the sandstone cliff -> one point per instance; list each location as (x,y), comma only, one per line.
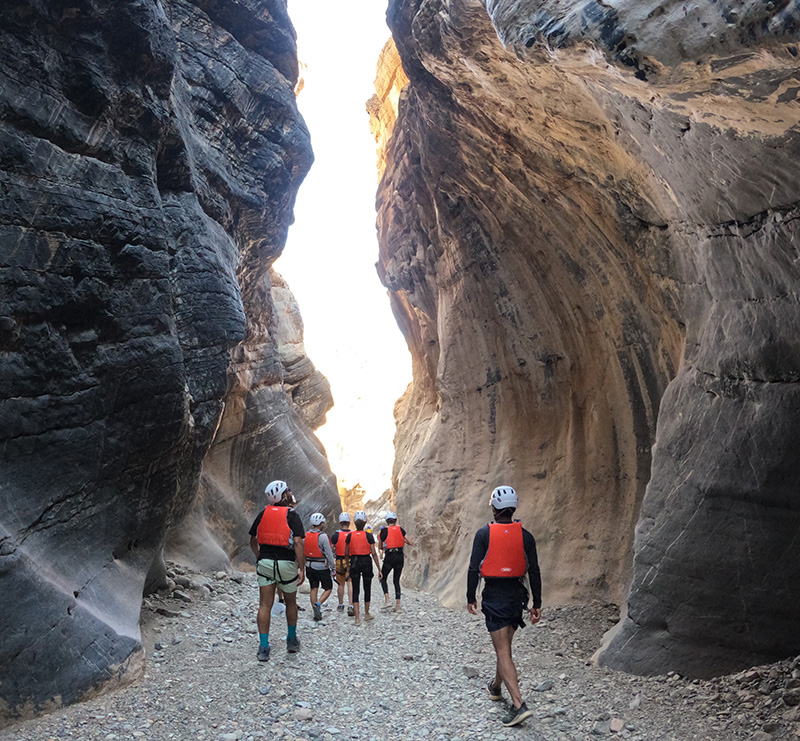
(149,157)
(589,235)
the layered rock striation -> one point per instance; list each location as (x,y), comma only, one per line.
(149,157)
(589,236)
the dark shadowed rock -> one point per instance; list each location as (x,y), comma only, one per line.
(149,157)
(606,206)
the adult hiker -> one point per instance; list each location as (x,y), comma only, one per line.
(276,539)
(502,553)
(319,563)
(360,549)
(343,564)
(391,541)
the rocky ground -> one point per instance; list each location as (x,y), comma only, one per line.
(413,675)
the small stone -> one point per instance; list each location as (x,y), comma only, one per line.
(602,728)
(166,612)
(761,736)
(158,647)
(792,697)
(408,657)
(637,700)
(303,714)
(237,576)
(471,672)
(617,724)
(182,596)
(544,686)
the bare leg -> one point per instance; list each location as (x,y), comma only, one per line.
(325,595)
(356,613)
(506,671)
(266,596)
(314,596)
(291,607)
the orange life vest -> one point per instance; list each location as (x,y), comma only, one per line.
(341,542)
(313,551)
(274,527)
(505,556)
(394,537)
(359,545)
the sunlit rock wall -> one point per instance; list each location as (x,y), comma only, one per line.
(149,157)
(587,233)
(275,399)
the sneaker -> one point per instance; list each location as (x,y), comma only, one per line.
(350,611)
(517,715)
(397,608)
(495,691)
(387,606)
(293,645)
(369,616)
(340,608)
(263,653)
(317,612)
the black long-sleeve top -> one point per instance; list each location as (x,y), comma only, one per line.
(480,547)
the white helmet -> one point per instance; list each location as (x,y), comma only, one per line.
(275,491)
(317,519)
(344,517)
(504,497)
(360,516)
(390,516)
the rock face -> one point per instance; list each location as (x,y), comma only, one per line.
(590,239)
(149,157)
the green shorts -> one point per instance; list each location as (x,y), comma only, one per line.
(281,573)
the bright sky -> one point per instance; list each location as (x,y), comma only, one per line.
(329,260)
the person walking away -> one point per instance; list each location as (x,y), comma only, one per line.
(361,550)
(319,563)
(276,539)
(502,553)
(343,564)
(391,541)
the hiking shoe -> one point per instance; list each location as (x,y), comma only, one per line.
(317,612)
(293,645)
(369,616)
(495,691)
(340,608)
(263,653)
(387,606)
(517,715)
(350,611)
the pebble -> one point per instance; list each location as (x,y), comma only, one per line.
(402,676)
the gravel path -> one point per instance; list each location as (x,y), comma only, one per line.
(414,675)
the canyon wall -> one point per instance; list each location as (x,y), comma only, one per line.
(150,153)
(588,228)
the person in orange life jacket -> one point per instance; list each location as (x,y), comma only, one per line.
(502,553)
(391,540)
(276,539)
(359,547)
(343,564)
(319,563)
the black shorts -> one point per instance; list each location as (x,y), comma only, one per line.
(503,603)
(319,576)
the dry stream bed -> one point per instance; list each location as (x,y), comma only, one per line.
(419,674)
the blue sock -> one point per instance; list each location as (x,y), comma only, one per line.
(292,631)
(264,638)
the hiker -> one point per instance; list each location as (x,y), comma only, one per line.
(502,553)
(360,549)
(391,541)
(276,539)
(319,563)
(343,564)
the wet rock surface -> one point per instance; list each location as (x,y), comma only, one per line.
(419,674)
(589,236)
